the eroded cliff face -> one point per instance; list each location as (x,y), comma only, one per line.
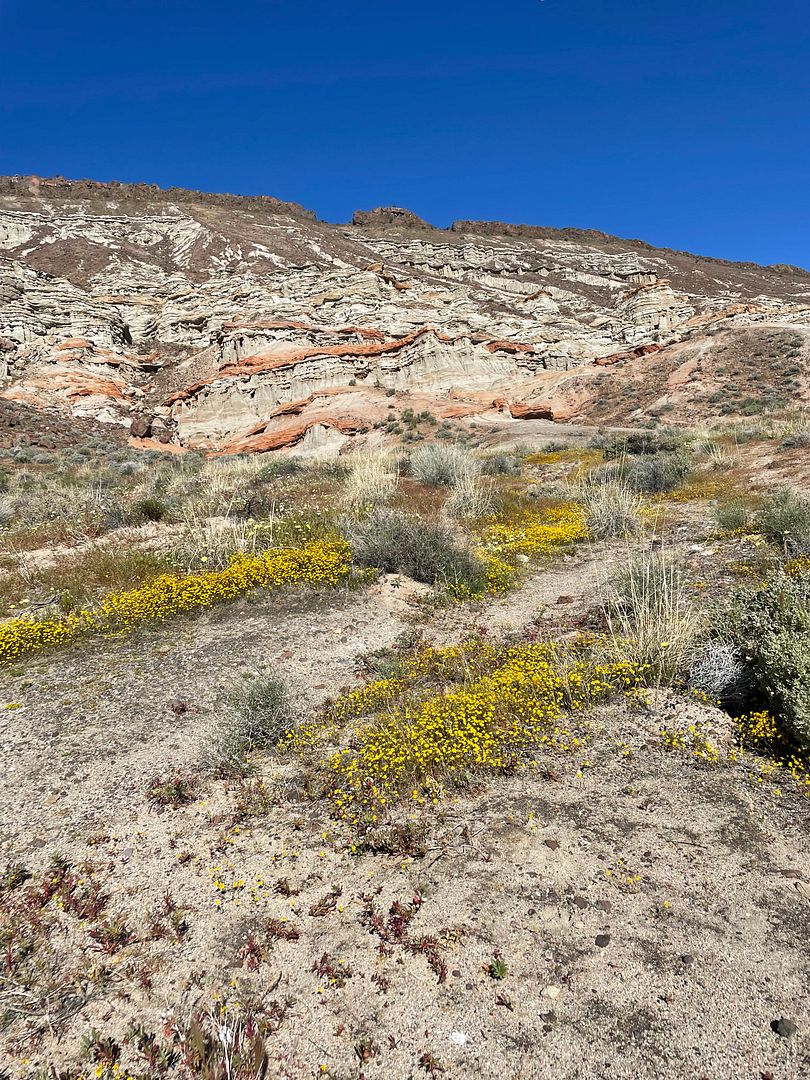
(222,322)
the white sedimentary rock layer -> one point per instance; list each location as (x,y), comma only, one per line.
(196,302)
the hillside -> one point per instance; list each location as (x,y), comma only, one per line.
(244,324)
(404,648)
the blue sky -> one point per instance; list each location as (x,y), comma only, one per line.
(686,124)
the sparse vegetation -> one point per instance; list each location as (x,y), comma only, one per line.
(311,838)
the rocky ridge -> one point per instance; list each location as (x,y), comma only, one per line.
(245,324)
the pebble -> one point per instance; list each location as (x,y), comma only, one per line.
(602,940)
(552,992)
(785,1028)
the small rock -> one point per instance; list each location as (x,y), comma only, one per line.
(140,426)
(456,973)
(785,1028)
(552,992)
(458,1037)
(604,905)
(580,902)
(565,599)
(687,959)
(602,940)
(553,845)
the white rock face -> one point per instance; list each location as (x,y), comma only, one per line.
(219,312)
(35,306)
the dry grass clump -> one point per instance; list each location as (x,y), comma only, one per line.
(611,508)
(442,464)
(372,480)
(718,670)
(211,543)
(651,617)
(470,498)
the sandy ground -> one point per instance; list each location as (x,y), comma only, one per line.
(679,972)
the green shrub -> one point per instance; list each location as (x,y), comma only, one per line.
(651,475)
(426,551)
(785,519)
(278,466)
(501,463)
(149,508)
(732,516)
(770,626)
(641,442)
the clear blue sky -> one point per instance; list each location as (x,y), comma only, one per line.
(683,123)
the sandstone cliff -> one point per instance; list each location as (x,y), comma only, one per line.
(228,322)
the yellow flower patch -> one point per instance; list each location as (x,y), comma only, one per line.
(538,533)
(757,732)
(416,750)
(323,562)
(799,565)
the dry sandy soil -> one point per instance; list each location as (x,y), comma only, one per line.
(652,911)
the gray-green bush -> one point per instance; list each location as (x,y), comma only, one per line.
(785,519)
(257,714)
(732,516)
(427,551)
(770,626)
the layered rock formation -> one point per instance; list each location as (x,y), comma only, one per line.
(230,323)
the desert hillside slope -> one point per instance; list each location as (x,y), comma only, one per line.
(404,648)
(244,323)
